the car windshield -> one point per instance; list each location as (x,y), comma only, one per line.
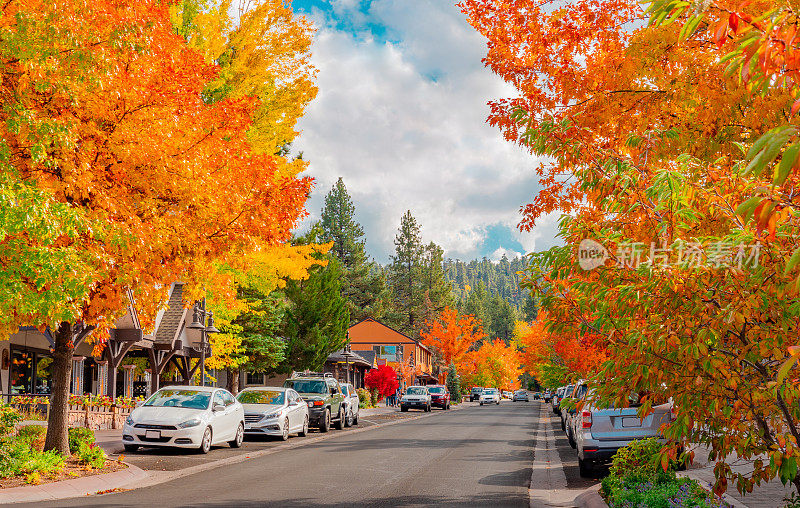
(190,399)
(436,389)
(477,389)
(416,391)
(490,391)
(306,385)
(261,397)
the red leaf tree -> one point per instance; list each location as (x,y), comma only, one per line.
(383,379)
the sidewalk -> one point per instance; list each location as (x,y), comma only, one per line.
(766,495)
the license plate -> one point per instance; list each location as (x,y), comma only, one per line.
(631,422)
(152,434)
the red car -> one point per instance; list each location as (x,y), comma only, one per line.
(440,397)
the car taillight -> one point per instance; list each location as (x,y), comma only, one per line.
(586,419)
(673,415)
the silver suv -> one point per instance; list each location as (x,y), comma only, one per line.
(599,433)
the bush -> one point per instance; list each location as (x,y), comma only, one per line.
(79,436)
(33,435)
(364,398)
(637,479)
(373,397)
(18,458)
(91,455)
(8,419)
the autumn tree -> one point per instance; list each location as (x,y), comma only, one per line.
(107,114)
(672,143)
(452,335)
(363,285)
(383,380)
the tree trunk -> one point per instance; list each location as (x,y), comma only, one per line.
(56,438)
(232,382)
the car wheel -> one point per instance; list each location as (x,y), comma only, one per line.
(571,439)
(403,409)
(285,434)
(563,427)
(304,432)
(130,447)
(355,419)
(205,443)
(339,425)
(348,421)
(237,441)
(481,403)
(325,421)
(584,468)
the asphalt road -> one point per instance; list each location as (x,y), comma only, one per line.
(476,456)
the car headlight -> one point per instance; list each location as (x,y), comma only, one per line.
(129,420)
(272,415)
(194,422)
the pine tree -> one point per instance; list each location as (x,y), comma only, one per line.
(530,309)
(363,284)
(404,274)
(316,318)
(453,383)
(437,290)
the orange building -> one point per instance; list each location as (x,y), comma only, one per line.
(393,348)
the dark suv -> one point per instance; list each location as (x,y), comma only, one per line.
(440,397)
(475,394)
(324,397)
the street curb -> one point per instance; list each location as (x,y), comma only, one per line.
(77,487)
(152,478)
(590,498)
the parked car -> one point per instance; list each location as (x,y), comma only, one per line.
(520,395)
(557,399)
(416,397)
(185,417)
(273,411)
(548,395)
(475,394)
(490,395)
(440,397)
(569,415)
(600,432)
(323,397)
(564,395)
(507,394)
(352,404)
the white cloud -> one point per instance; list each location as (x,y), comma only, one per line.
(404,123)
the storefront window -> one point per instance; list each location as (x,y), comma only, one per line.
(31,372)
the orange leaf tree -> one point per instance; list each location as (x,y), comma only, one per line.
(673,144)
(452,335)
(104,110)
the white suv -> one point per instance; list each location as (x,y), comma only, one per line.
(490,395)
(351,401)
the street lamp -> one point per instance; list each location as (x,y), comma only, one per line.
(347,352)
(197,323)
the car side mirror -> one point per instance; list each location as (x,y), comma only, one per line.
(218,407)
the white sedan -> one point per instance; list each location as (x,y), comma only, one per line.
(185,417)
(274,411)
(489,396)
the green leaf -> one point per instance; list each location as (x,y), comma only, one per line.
(787,163)
(785,368)
(747,207)
(792,261)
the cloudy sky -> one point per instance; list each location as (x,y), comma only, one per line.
(401,117)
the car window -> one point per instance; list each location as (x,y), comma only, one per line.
(345,389)
(306,385)
(261,397)
(218,398)
(227,397)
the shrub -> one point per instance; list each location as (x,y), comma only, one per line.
(78,436)
(364,398)
(91,455)
(373,397)
(33,435)
(8,419)
(18,458)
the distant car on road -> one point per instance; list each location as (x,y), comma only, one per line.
(273,411)
(351,404)
(490,395)
(599,433)
(416,397)
(521,395)
(475,394)
(440,397)
(507,394)
(547,396)
(185,417)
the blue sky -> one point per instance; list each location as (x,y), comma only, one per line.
(401,117)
